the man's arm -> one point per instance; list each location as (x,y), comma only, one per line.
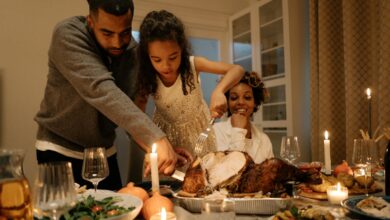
(74,55)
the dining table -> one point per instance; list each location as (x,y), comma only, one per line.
(338,211)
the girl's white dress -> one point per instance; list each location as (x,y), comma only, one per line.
(183,117)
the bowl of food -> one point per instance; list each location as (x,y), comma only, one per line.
(104,204)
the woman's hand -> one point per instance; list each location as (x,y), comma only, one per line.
(218,104)
(239,121)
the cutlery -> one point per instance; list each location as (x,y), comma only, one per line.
(178,175)
(199,144)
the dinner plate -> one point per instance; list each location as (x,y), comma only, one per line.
(350,204)
(260,206)
(127,201)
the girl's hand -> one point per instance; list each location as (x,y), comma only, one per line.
(183,157)
(218,104)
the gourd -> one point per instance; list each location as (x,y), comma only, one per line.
(342,168)
(135,191)
(154,205)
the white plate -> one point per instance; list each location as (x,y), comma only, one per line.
(262,206)
(127,201)
(351,203)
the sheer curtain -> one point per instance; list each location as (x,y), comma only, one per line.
(349,52)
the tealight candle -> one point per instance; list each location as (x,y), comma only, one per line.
(154,169)
(328,162)
(337,193)
(163,215)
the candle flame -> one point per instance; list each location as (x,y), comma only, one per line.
(326,135)
(338,186)
(163,214)
(368,92)
(154,148)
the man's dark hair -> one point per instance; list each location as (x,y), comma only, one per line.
(114,7)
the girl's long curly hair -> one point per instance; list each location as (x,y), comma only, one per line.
(162,26)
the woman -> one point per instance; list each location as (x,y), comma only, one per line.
(237,132)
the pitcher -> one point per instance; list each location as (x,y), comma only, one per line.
(15,198)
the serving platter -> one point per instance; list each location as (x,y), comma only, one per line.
(260,206)
(350,204)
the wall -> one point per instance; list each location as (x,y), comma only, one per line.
(24,40)
(300,80)
(26,27)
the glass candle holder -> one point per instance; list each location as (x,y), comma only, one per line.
(337,193)
(163,215)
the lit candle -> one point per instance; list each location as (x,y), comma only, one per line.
(154,169)
(337,193)
(368,92)
(328,162)
(163,215)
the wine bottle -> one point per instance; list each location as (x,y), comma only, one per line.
(387,169)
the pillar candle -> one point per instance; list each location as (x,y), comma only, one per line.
(368,92)
(328,163)
(154,169)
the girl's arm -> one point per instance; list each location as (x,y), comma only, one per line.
(232,75)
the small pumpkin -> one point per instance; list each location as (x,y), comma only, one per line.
(342,168)
(154,205)
(135,191)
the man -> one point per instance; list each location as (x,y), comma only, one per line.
(90,82)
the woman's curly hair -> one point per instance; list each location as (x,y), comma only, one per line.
(259,92)
(162,26)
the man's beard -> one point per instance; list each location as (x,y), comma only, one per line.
(115,52)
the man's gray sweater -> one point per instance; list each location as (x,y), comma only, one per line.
(88,95)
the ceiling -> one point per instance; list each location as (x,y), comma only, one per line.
(227,7)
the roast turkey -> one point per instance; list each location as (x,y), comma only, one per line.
(236,172)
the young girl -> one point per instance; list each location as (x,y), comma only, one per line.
(237,132)
(171,76)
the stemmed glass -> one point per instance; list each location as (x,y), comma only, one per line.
(364,155)
(289,149)
(54,191)
(95,165)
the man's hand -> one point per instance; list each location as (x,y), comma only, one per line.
(167,158)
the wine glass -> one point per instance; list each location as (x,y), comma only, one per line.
(363,156)
(54,191)
(289,149)
(95,165)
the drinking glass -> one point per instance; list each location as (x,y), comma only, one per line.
(289,149)
(218,209)
(54,191)
(364,155)
(95,165)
